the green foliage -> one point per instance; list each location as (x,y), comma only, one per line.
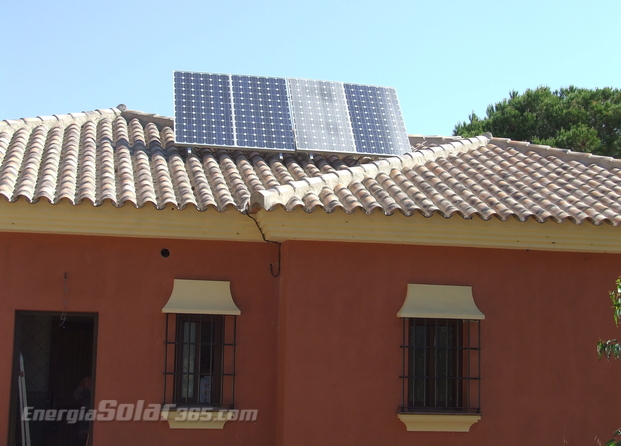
(616,440)
(571,118)
(612,348)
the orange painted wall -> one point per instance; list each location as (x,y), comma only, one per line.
(318,348)
(542,383)
(127,282)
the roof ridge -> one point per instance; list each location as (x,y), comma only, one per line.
(144,118)
(563,154)
(55,120)
(268,198)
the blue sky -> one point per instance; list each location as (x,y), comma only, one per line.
(446,58)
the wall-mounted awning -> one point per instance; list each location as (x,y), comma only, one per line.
(201,297)
(440,302)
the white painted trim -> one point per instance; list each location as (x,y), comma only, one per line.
(201,297)
(126,221)
(181,422)
(280,225)
(438,423)
(440,302)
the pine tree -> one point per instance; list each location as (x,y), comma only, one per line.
(571,118)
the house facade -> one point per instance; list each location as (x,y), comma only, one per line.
(454,294)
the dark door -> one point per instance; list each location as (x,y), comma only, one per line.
(58,356)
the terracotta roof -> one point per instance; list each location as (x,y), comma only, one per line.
(127,156)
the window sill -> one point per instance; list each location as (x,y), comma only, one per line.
(438,422)
(185,419)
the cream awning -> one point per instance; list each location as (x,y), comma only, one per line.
(201,297)
(440,302)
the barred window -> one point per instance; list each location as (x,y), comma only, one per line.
(441,365)
(200,360)
(199,357)
(441,350)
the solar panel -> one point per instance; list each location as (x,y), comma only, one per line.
(376,120)
(262,118)
(270,113)
(203,113)
(320,116)
(219,110)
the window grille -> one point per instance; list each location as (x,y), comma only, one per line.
(199,360)
(441,365)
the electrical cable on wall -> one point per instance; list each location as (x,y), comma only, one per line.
(63,316)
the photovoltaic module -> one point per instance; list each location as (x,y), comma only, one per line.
(287,114)
(320,116)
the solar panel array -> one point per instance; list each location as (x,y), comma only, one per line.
(269,113)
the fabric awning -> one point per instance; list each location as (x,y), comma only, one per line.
(440,302)
(201,297)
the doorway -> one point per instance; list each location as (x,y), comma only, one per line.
(53,373)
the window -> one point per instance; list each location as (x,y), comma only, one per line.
(441,365)
(441,375)
(200,342)
(200,360)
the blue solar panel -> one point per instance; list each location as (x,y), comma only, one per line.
(320,116)
(262,118)
(203,113)
(269,113)
(376,120)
